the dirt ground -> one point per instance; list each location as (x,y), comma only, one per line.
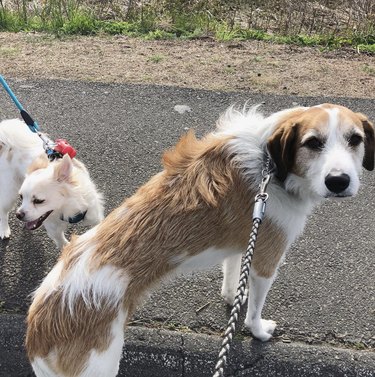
(205,64)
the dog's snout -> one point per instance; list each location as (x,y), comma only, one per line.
(20,215)
(337,182)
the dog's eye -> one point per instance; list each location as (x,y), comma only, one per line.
(355,140)
(21,197)
(38,201)
(314,144)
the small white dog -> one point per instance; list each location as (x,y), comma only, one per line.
(196,213)
(53,193)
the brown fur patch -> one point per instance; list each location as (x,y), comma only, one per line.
(199,201)
(41,162)
(71,336)
(368,128)
(269,249)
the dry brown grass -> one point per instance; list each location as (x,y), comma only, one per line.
(249,66)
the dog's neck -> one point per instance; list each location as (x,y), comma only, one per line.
(76,218)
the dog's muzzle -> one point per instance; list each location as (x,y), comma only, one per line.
(337,182)
(34,224)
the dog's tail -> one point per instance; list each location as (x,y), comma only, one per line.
(14,133)
(239,118)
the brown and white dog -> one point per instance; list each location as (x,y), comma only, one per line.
(195,213)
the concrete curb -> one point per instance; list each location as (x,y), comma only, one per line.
(161,353)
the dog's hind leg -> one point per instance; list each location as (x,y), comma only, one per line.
(106,363)
(231,272)
(258,289)
(101,362)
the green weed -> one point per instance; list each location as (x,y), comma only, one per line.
(156,58)
(8,51)
(370,70)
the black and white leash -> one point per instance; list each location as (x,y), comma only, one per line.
(258,214)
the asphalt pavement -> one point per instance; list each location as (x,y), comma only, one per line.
(323,298)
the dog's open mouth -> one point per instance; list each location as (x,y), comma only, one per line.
(35,224)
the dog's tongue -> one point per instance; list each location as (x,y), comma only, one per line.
(35,224)
(32,225)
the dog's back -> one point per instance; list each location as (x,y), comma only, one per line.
(15,134)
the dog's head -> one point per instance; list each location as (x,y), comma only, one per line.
(44,190)
(325,146)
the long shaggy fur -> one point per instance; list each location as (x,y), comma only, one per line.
(195,213)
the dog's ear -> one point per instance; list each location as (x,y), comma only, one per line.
(41,162)
(368,127)
(63,169)
(282,146)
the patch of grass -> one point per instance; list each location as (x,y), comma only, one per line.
(369,49)
(258,59)
(359,346)
(159,34)
(156,58)
(10,21)
(370,70)
(8,51)
(224,33)
(119,27)
(80,22)
(319,23)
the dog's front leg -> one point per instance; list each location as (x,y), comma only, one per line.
(55,230)
(258,289)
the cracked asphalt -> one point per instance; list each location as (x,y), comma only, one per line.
(323,299)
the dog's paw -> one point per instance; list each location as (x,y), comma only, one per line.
(5,233)
(262,329)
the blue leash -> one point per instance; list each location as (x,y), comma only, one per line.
(34,127)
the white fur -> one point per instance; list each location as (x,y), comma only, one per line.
(205,259)
(97,287)
(19,147)
(42,369)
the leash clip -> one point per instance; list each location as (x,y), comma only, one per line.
(262,197)
(260,206)
(263,185)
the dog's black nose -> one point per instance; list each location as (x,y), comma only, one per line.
(337,182)
(20,215)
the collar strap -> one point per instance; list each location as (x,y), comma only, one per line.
(76,218)
(269,165)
